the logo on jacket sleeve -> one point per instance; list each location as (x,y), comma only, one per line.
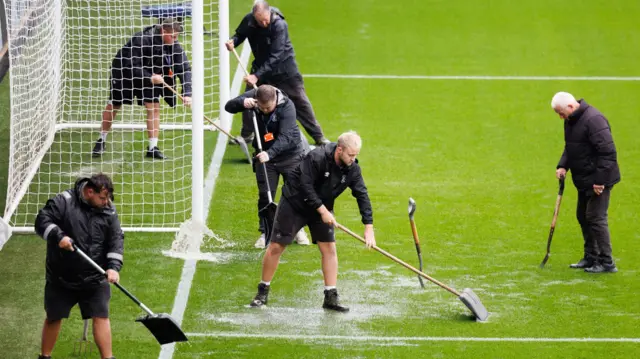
(326,174)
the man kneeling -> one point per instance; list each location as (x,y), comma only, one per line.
(307,199)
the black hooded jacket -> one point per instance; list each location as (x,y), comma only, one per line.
(96,231)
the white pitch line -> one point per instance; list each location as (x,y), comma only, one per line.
(411,339)
(189,268)
(471,78)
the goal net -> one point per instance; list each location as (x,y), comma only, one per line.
(61,55)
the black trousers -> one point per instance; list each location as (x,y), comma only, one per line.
(592,216)
(293,87)
(274,171)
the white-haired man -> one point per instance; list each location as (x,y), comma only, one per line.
(590,155)
(307,198)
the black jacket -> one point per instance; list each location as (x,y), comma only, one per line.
(96,232)
(589,151)
(146,54)
(272,50)
(319,180)
(281,123)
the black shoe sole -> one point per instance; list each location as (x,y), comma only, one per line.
(155,157)
(614,270)
(336,309)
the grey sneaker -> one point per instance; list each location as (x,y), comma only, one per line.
(331,301)
(262,297)
(602,268)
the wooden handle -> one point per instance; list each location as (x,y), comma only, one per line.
(414,230)
(241,65)
(205,117)
(399,261)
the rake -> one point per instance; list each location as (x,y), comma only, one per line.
(468,297)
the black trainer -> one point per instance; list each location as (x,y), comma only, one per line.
(99,148)
(262,297)
(331,301)
(155,153)
(602,268)
(44,357)
(584,263)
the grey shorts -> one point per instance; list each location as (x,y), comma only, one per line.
(93,302)
(289,221)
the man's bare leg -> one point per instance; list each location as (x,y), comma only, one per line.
(271,260)
(330,273)
(329,263)
(108,116)
(153,129)
(102,336)
(50,331)
(269,266)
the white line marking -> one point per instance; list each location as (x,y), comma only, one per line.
(480,78)
(410,339)
(189,268)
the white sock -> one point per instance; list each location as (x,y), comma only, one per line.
(153,142)
(103,136)
(265,283)
(329,287)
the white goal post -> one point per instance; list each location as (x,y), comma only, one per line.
(61,71)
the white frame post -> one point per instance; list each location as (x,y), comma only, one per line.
(224,67)
(197,112)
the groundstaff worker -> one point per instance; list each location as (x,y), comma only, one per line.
(83,216)
(590,155)
(307,199)
(282,146)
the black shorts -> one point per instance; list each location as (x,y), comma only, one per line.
(123,91)
(93,302)
(289,221)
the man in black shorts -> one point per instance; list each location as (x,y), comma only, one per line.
(307,198)
(83,216)
(151,57)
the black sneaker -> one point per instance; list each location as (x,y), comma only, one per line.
(262,297)
(322,141)
(584,263)
(602,268)
(155,153)
(331,301)
(44,357)
(99,148)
